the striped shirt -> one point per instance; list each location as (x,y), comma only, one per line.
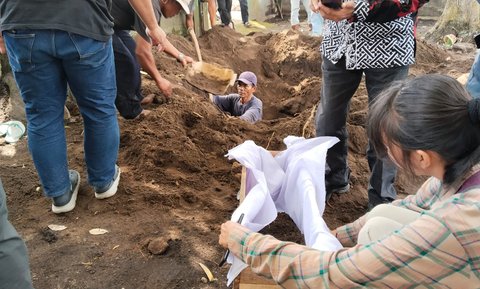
(441,249)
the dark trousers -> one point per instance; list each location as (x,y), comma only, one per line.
(225,8)
(244,10)
(339,85)
(128,76)
(14,268)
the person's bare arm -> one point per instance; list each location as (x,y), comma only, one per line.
(147,62)
(173,51)
(189,21)
(212,11)
(3,50)
(144,9)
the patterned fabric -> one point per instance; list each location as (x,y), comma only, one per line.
(441,249)
(380,35)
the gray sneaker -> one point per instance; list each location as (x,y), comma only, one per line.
(66,202)
(110,189)
(336,190)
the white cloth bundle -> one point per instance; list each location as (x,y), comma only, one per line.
(293,182)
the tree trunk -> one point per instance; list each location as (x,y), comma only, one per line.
(459,17)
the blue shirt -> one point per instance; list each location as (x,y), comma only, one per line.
(250,111)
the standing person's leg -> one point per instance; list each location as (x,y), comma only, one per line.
(212,11)
(14,267)
(42,82)
(229,10)
(90,70)
(224,11)
(244,11)
(317,24)
(473,82)
(380,187)
(127,71)
(294,11)
(384,220)
(306,5)
(338,87)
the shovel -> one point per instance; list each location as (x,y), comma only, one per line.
(208,76)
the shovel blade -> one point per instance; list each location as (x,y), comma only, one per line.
(210,77)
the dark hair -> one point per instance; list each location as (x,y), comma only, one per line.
(429,112)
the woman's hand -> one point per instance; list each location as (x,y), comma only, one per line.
(225,230)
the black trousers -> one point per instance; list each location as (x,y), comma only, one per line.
(338,87)
(127,70)
(225,8)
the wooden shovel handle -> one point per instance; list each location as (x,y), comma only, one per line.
(195,42)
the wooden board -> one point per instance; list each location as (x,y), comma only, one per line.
(249,280)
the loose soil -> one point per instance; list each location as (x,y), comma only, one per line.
(176,186)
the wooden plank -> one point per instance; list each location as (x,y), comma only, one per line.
(243,181)
(249,280)
(258,286)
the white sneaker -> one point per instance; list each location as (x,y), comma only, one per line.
(111,189)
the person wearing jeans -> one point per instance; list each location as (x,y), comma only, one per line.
(473,82)
(317,24)
(42,61)
(295,10)
(244,12)
(348,53)
(54,43)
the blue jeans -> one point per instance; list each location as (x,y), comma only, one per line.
(473,83)
(317,24)
(244,10)
(43,62)
(338,88)
(295,11)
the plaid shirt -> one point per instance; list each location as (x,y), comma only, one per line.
(441,249)
(379,35)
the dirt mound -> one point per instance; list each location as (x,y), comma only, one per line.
(287,65)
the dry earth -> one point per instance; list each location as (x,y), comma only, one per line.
(177,187)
